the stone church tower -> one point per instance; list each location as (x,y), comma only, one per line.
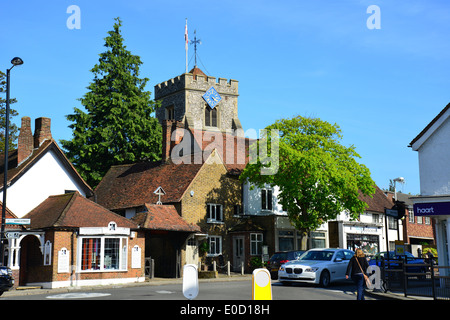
(195,100)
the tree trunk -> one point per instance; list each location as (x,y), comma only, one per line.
(304,240)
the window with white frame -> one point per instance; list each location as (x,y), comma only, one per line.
(215,245)
(214,213)
(393,223)
(103,253)
(256,242)
(266,199)
(410,216)
(427,220)
(375,218)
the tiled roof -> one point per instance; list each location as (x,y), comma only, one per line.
(163,217)
(73,210)
(9,215)
(378,202)
(133,185)
(16,170)
(197,72)
(234,150)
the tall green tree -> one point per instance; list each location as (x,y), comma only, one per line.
(13,130)
(118,126)
(317,176)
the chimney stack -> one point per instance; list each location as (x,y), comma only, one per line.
(25,142)
(168,127)
(41,131)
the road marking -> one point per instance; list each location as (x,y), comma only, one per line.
(80,295)
(164,292)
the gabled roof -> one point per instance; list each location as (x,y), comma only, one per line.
(127,186)
(377,202)
(16,170)
(234,150)
(8,213)
(72,210)
(430,128)
(163,217)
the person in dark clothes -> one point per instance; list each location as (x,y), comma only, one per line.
(355,272)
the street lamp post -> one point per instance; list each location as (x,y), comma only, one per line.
(401,180)
(15,62)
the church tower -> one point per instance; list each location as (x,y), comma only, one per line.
(195,100)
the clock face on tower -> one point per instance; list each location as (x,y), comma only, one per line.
(212,97)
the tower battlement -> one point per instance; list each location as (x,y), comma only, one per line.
(189,81)
(182,100)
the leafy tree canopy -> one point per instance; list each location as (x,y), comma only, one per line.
(317,176)
(118,126)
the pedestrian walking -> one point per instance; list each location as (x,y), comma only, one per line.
(356,268)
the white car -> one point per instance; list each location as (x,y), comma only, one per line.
(319,266)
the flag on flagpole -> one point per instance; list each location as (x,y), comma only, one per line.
(186,36)
(186,42)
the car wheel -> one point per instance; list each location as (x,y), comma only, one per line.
(325,279)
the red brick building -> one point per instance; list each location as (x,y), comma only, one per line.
(417,231)
(72,241)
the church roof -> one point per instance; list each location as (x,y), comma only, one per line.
(197,72)
(234,150)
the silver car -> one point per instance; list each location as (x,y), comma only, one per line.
(319,266)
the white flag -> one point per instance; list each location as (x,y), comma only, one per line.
(186,39)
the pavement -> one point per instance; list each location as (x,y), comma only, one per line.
(23,291)
(394,296)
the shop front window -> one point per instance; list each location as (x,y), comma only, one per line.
(286,240)
(103,254)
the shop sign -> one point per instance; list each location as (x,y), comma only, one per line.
(432,209)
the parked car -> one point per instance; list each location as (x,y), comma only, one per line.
(319,266)
(6,279)
(410,259)
(279,258)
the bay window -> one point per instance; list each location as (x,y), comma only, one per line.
(103,253)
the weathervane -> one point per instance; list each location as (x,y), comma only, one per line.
(194,42)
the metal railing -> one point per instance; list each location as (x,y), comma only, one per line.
(416,279)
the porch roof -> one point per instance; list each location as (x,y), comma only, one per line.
(73,210)
(163,217)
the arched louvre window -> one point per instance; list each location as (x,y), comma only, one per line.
(210,117)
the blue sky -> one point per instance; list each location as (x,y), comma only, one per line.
(310,58)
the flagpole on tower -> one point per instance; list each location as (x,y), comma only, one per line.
(186,42)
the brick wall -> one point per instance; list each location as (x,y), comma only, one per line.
(418,230)
(212,185)
(67,239)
